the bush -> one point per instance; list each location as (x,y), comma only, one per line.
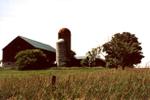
(84,62)
(31,59)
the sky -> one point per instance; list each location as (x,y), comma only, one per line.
(91,22)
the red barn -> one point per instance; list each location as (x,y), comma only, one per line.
(21,43)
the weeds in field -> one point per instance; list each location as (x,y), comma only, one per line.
(104,84)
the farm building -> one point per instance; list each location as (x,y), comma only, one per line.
(98,61)
(63,55)
(21,43)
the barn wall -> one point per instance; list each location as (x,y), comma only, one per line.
(51,56)
(10,51)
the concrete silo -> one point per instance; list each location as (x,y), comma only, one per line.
(61,53)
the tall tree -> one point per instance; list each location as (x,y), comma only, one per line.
(123,50)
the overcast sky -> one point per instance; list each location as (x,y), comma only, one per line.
(92,22)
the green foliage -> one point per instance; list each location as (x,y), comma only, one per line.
(84,62)
(92,55)
(123,50)
(80,83)
(31,59)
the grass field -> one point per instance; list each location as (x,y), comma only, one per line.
(75,83)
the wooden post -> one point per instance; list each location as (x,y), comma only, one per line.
(53,82)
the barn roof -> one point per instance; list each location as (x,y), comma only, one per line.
(84,57)
(80,57)
(37,44)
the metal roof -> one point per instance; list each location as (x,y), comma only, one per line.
(39,45)
(80,57)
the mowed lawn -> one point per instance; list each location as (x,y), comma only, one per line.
(75,83)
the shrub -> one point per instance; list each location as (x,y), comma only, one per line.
(31,59)
(84,62)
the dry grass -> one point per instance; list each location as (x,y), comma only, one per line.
(78,84)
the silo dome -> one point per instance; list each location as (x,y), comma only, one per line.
(64,33)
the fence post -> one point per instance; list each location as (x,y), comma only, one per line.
(53,82)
